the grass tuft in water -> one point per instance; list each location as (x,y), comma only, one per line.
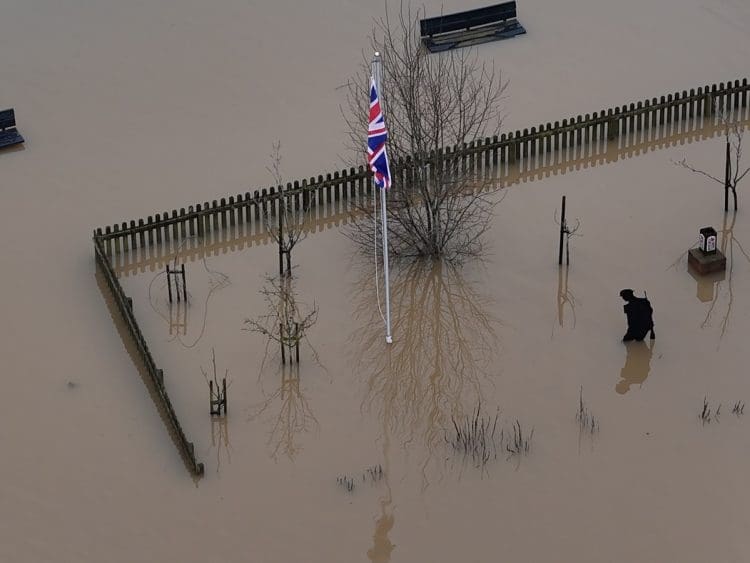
(586,420)
(519,442)
(475,437)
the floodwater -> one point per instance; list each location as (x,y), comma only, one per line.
(133,108)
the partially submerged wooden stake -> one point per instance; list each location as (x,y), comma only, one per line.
(181,273)
(286,344)
(218,398)
(562,233)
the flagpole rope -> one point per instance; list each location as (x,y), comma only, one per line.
(375,240)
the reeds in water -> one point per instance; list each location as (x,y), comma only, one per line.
(475,437)
(586,421)
(739,408)
(373,474)
(708,414)
(346,482)
(519,443)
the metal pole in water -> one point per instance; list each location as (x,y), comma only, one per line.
(376,74)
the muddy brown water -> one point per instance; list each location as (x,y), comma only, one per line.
(133,108)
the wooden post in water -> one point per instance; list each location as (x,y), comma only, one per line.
(180,272)
(218,399)
(727,178)
(169,284)
(224,393)
(184,286)
(562,233)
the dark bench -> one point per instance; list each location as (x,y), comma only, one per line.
(470,28)
(8,133)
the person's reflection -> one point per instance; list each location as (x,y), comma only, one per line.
(637,365)
(380,552)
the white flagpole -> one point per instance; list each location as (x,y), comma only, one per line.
(376,74)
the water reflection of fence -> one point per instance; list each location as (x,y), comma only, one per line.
(125,306)
(503,157)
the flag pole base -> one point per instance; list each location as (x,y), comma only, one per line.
(389,339)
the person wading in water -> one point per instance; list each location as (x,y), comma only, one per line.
(639,312)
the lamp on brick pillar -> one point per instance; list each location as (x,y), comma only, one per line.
(707,258)
(708,240)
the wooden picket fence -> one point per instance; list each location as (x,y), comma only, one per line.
(483,156)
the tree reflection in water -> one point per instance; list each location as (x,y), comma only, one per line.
(443,341)
(727,246)
(294,416)
(564,297)
(220,440)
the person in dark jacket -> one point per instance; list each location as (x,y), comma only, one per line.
(639,313)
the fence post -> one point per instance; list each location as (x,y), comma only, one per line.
(360,183)
(639,116)
(684,105)
(175,227)
(230,210)
(708,102)
(328,189)
(613,125)
(511,148)
(336,187)
(653,112)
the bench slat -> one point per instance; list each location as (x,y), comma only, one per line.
(10,137)
(7,118)
(467,19)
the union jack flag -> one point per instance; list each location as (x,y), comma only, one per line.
(377,135)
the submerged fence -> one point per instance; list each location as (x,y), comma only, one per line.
(244,235)
(125,306)
(538,150)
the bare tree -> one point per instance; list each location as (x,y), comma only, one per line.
(431,101)
(733,168)
(285,321)
(288,228)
